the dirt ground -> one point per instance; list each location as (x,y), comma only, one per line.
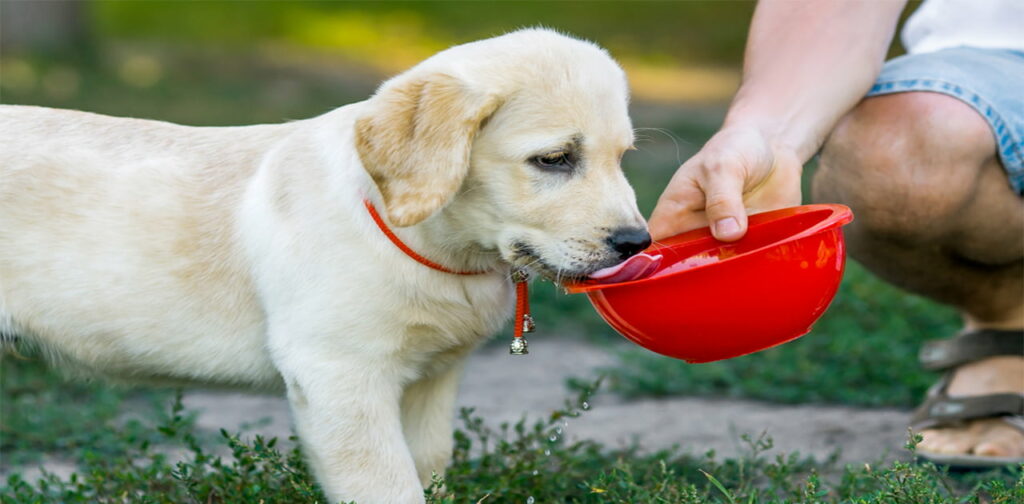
(503,387)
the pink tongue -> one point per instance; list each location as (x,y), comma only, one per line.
(634,268)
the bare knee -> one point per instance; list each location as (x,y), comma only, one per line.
(905,163)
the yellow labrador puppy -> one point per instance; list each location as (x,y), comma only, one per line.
(143,250)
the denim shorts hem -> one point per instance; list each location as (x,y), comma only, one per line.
(1003,111)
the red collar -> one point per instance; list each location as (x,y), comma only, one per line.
(523,320)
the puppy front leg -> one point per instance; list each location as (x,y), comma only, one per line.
(427,412)
(347,414)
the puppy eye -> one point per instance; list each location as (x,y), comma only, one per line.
(555,161)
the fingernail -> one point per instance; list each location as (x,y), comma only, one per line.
(727,227)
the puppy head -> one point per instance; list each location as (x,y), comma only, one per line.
(519,139)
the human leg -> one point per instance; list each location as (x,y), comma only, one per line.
(936,216)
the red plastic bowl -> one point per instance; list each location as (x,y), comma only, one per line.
(712,300)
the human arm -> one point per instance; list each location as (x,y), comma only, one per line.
(806,64)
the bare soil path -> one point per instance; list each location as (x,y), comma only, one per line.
(504,388)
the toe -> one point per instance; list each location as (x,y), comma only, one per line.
(992,449)
(949,441)
(1000,440)
(933,440)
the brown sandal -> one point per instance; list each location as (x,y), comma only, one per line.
(941,410)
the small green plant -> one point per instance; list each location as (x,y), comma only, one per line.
(521,462)
(256,471)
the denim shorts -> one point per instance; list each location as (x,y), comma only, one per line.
(989,80)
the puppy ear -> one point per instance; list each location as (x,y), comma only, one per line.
(415,142)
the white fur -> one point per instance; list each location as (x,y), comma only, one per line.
(243,256)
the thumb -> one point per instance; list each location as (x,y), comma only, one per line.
(680,207)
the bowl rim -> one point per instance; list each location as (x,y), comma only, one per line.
(839,216)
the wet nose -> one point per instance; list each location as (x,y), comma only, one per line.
(627,242)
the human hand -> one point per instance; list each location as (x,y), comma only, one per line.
(738,172)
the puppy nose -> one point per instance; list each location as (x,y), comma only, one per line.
(629,241)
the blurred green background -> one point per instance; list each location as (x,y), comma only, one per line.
(215,62)
(220,63)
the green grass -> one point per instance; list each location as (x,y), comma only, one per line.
(520,462)
(41,413)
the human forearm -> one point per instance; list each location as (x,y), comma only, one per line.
(807,63)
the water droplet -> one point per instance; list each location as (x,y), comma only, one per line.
(529,500)
(536,472)
(547,453)
(553,438)
(586,405)
(558,431)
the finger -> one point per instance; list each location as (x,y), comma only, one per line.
(671,217)
(679,209)
(723,201)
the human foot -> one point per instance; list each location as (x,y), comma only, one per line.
(990,437)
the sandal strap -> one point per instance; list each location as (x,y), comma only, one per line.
(940,409)
(970,347)
(1017,422)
